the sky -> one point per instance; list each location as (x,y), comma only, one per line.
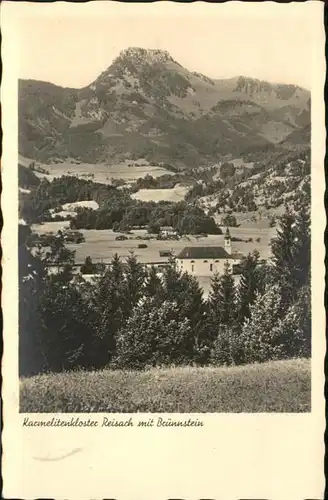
(268,41)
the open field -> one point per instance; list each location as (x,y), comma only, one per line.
(93,205)
(101,245)
(276,386)
(99,172)
(70,209)
(175,194)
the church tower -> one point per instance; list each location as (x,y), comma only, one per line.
(227,242)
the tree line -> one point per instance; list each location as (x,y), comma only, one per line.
(185,218)
(117,210)
(133,318)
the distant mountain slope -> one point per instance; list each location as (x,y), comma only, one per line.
(147,105)
(298,137)
(26,177)
(279,178)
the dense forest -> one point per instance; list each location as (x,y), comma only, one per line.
(133,318)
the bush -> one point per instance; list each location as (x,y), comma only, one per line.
(257,334)
(269,335)
(227,349)
(294,329)
(153,335)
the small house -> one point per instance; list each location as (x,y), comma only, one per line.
(168,231)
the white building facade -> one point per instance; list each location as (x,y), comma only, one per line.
(207,261)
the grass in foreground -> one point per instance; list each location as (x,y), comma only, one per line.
(277,386)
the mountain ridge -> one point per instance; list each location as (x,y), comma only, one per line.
(145,104)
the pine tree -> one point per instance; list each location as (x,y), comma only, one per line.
(283,258)
(171,281)
(134,283)
(109,307)
(62,258)
(185,291)
(292,254)
(192,306)
(214,300)
(296,326)
(248,285)
(222,298)
(153,286)
(66,331)
(302,247)
(32,282)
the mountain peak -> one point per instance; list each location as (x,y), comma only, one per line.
(150,56)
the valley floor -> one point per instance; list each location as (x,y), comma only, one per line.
(276,386)
(101,245)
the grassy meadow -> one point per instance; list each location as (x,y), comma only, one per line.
(101,244)
(128,171)
(175,194)
(275,386)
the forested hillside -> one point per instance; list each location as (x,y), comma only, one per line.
(146,105)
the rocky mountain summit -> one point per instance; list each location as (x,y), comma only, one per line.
(146,105)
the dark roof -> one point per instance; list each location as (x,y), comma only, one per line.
(203,253)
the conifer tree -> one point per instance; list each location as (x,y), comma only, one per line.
(153,286)
(185,291)
(222,298)
(32,282)
(291,251)
(109,307)
(66,331)
(62,258)
(192,306)
(302,247)
(283,258)
(214,299)
(171,280)
(134,283)
(248,285)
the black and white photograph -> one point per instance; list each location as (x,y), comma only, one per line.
(163,250)
(164,178)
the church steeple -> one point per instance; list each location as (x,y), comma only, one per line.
(227,242)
